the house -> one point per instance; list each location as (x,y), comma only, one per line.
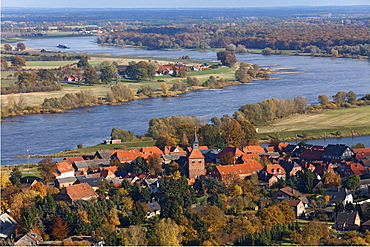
(150,150)
(364,185)
(354,169)
(234,151)
(195,165)
(90,165)
(297,206)
(126,155)
(30,238)
(337,152)
(154,209)
(93,182)
(290,166)
(210,155)
(70,78)
(64,182)
(255,149)
(103,154)
(272,173)
(286,193)
(313,153)
(362,153)
(7,227)
(76,192)
(174,150)
(226,172)
(70,160)
(64,169)
(289,150)
(115,141)
(347,221)
(365,226)
(338,194)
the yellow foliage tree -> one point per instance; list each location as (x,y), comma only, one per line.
(39,187)
(272,216)
(167,233)
(4,180)
(331,179)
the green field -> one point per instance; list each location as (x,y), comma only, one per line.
(322,124)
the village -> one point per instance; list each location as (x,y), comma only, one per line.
(323,197)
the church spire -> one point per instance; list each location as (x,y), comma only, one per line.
(195,142)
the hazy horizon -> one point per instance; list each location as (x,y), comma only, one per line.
(176,4)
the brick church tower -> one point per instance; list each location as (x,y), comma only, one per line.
(196,160)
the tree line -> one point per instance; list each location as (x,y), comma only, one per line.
(265,34)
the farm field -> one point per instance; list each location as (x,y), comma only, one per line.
(320,124)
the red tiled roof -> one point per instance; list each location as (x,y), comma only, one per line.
(270,149)
(127,156)
(253,165)
(253,149)
(313,154)
(109,168)
(173,150)
(70,160)
(80,191)
(357,168)
(275,169)
(196,154)
(290,191)
(64,166)
(240,169)
(151,150)
(292,203)
(282,145)
(250,156)
(233,150)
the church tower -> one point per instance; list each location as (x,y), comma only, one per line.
(196,161)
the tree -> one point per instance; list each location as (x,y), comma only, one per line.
(358,145)
(135,236)
(18,61)
(83,63)
(272,216)
(251,136)
(241,74)
(4,64)
(211,135)
(232,133)
(164,89)
(339,98)
(331,179)
(120,93)
(21,46)
(138,214)
(154,164)
(192,81)
(15,176)
(8,47)
(353,182)
(107,73)
(90,76)
(323,99)
(313,232)
(351,97)
(166,233)
(123,135)
(59,228)
(38,186)
(145,91)
(227,58)
(46,167)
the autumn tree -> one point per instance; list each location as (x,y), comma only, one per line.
(241,74)
(232,133)
(154,164)
(59,228)
(120,93)
(331,179)
(227,58)
(164,89)
(211,136)
(21,46)
(39,186)
(339,98)
(135,236)
(145,91)
(192,81)
(323,99)
(8,47)
(123,135)
(166,233)
(18,61)
(4,64)
(90,76)
(313,232)
(214,223)
(46,167)
(272,216)
(251,135)
(351,97)
(138,214)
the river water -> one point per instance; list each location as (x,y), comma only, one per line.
(51,133)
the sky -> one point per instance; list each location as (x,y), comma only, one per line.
(175,3)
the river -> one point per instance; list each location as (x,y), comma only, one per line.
(51,133)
